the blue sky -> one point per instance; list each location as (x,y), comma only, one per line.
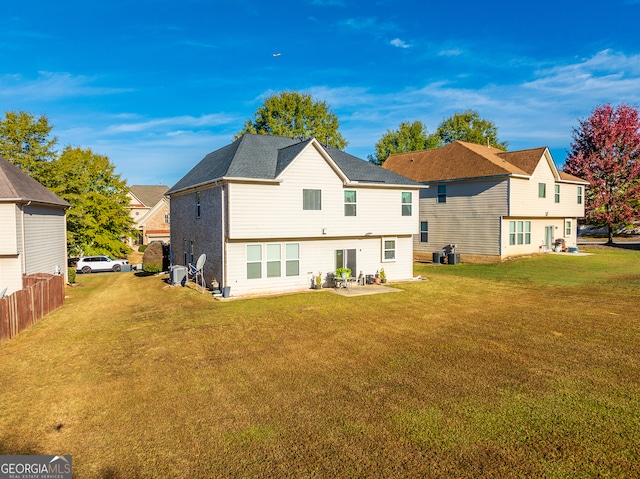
(156,85)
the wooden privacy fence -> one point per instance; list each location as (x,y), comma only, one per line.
(41,293)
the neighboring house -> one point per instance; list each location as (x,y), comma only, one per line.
(271,212)
(33,228)
(149,208)
(492,204)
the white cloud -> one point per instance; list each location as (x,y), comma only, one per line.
(172,123)
(52,86)
(396,42)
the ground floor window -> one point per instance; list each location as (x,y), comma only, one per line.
(268,257)
(388,249)
(424,232)
(519,232)
(568,227)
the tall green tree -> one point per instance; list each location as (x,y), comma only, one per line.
(470,127)
(408,137)
(606,152)
(98,219)
(25,142)
(290,113)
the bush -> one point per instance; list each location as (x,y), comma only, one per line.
(142,248)
(156,258)
(71,273)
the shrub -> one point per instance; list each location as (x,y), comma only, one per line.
(142,247)
(156,258)
(71,273)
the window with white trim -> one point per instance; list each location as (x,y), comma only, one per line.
(519,232)
(274,259)
(406,203)
(350,203)
(198,208)
(579,195)
(388,249)
(292,259)
(542,190)
(568,228)
(311,199)
(254,261)
(557,193)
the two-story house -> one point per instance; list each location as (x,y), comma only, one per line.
(272,212)
(149,209)
(33,228)
(490,203)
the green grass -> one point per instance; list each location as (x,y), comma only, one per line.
(528,368)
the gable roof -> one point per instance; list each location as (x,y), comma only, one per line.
(18,187)
(462,160)
(149,195)
(265,157)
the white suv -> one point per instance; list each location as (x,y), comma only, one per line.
(88,264)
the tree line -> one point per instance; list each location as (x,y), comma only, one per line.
(604,151)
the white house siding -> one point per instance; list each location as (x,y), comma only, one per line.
(10,269)
(538,235)
(316,256)
(470,218)
(205,232)
(8,229)
(44,239)
(524,199)
(275,211)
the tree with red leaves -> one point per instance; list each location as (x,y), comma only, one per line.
(606,152)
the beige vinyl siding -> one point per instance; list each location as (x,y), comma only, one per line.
(44,239)
(275,211)
(470,218)
(10,273)
(524,200)
(317,256)
(8,229)
(538,232)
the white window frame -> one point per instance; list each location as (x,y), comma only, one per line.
(579,195)
(273,260)
(557,193)
(542,190)
(519,232)
(290,259)
(309,200)
(568,227)
(198,205)
(253,261)
(389,253)
(407,207)
(350,207)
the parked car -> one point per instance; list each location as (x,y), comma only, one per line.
(89,264)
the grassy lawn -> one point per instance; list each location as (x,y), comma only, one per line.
(528,368)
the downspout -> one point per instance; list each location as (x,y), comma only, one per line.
(24,250)
(223,234)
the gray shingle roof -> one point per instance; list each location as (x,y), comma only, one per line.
(18,187)
(149,195)
(265,157)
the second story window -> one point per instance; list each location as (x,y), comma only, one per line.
(311,199)
(579,195)
(350,203)
(166,218)
(557,193)
(406,203)
(542,190)
(442,193)
(198,210)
